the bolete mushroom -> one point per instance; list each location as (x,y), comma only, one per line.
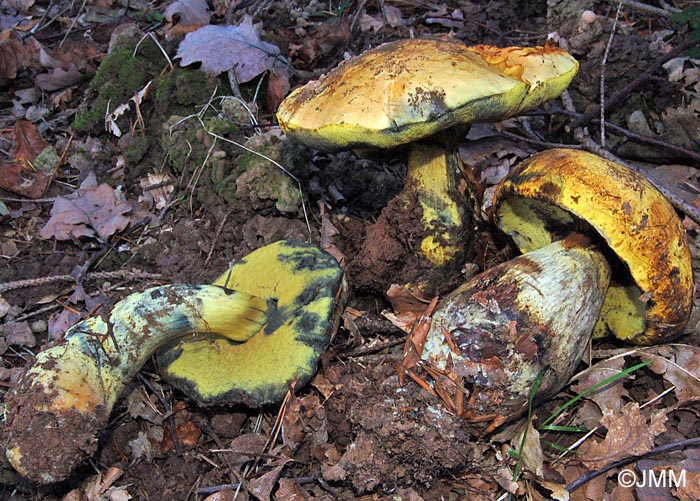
(562,190)
(491,337)
(60,405)
(406,91)
(579,219)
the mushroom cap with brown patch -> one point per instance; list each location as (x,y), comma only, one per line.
(562,190)
(406,90)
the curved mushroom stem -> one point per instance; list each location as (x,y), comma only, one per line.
(63,401)
(490,338)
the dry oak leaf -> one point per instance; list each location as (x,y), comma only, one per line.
(19,174)
(90,211)
(15,55)
(189,11)
(224,48)
(679,364)
(609,397)
(630,433)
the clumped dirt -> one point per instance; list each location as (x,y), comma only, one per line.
(398,436)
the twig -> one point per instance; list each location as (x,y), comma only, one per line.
(95,275)
(219,229)
(668,11)
(536,142)
(625,91)
(675,446)
(643,139)
(633,136)
(603,64)
(369,350)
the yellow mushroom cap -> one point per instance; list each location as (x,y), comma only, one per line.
(305,288)
(560,190)
(406,90)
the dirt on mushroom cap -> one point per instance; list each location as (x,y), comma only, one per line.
(405,90)
(548,195)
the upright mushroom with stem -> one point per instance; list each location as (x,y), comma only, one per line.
(581,220)
(260,327)
(413,91)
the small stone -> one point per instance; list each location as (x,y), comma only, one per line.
(4,307)
(39,326)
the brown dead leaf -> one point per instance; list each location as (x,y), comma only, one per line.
(61,322)
(15,55)
(91,211)
(328,231)
(277,87)
(608,397)
(293,424)
(629,433)
(248,446)
(531,453)
(679,364)
(407,306)
(593,490)
(261,487)
(189,12)
(620,493)
(19,175)
(289,490)
(58,78)
(27,142)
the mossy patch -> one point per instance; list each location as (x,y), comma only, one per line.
(121,75)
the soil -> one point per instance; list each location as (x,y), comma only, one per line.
(362,428)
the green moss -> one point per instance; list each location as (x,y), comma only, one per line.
(183,87)
(121,75)
(137,150)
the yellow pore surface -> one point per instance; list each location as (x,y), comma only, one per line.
(409,89)
(303,286)
(542,199)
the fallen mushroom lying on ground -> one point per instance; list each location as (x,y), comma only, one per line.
(580,220)
(277,310)
(413,91)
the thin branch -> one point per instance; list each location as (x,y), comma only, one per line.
(668,11)
(675,446)
(603,65)
(96,275)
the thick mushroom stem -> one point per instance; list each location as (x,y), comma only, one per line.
(63,401)
(491,337)
(432,175)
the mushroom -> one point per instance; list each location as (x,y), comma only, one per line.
(277,324)
(406,91)
(490,338)
(560,190)
(579,219)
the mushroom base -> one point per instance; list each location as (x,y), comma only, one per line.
(391,252)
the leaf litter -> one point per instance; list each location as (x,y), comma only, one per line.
(92,211)
(238,48)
